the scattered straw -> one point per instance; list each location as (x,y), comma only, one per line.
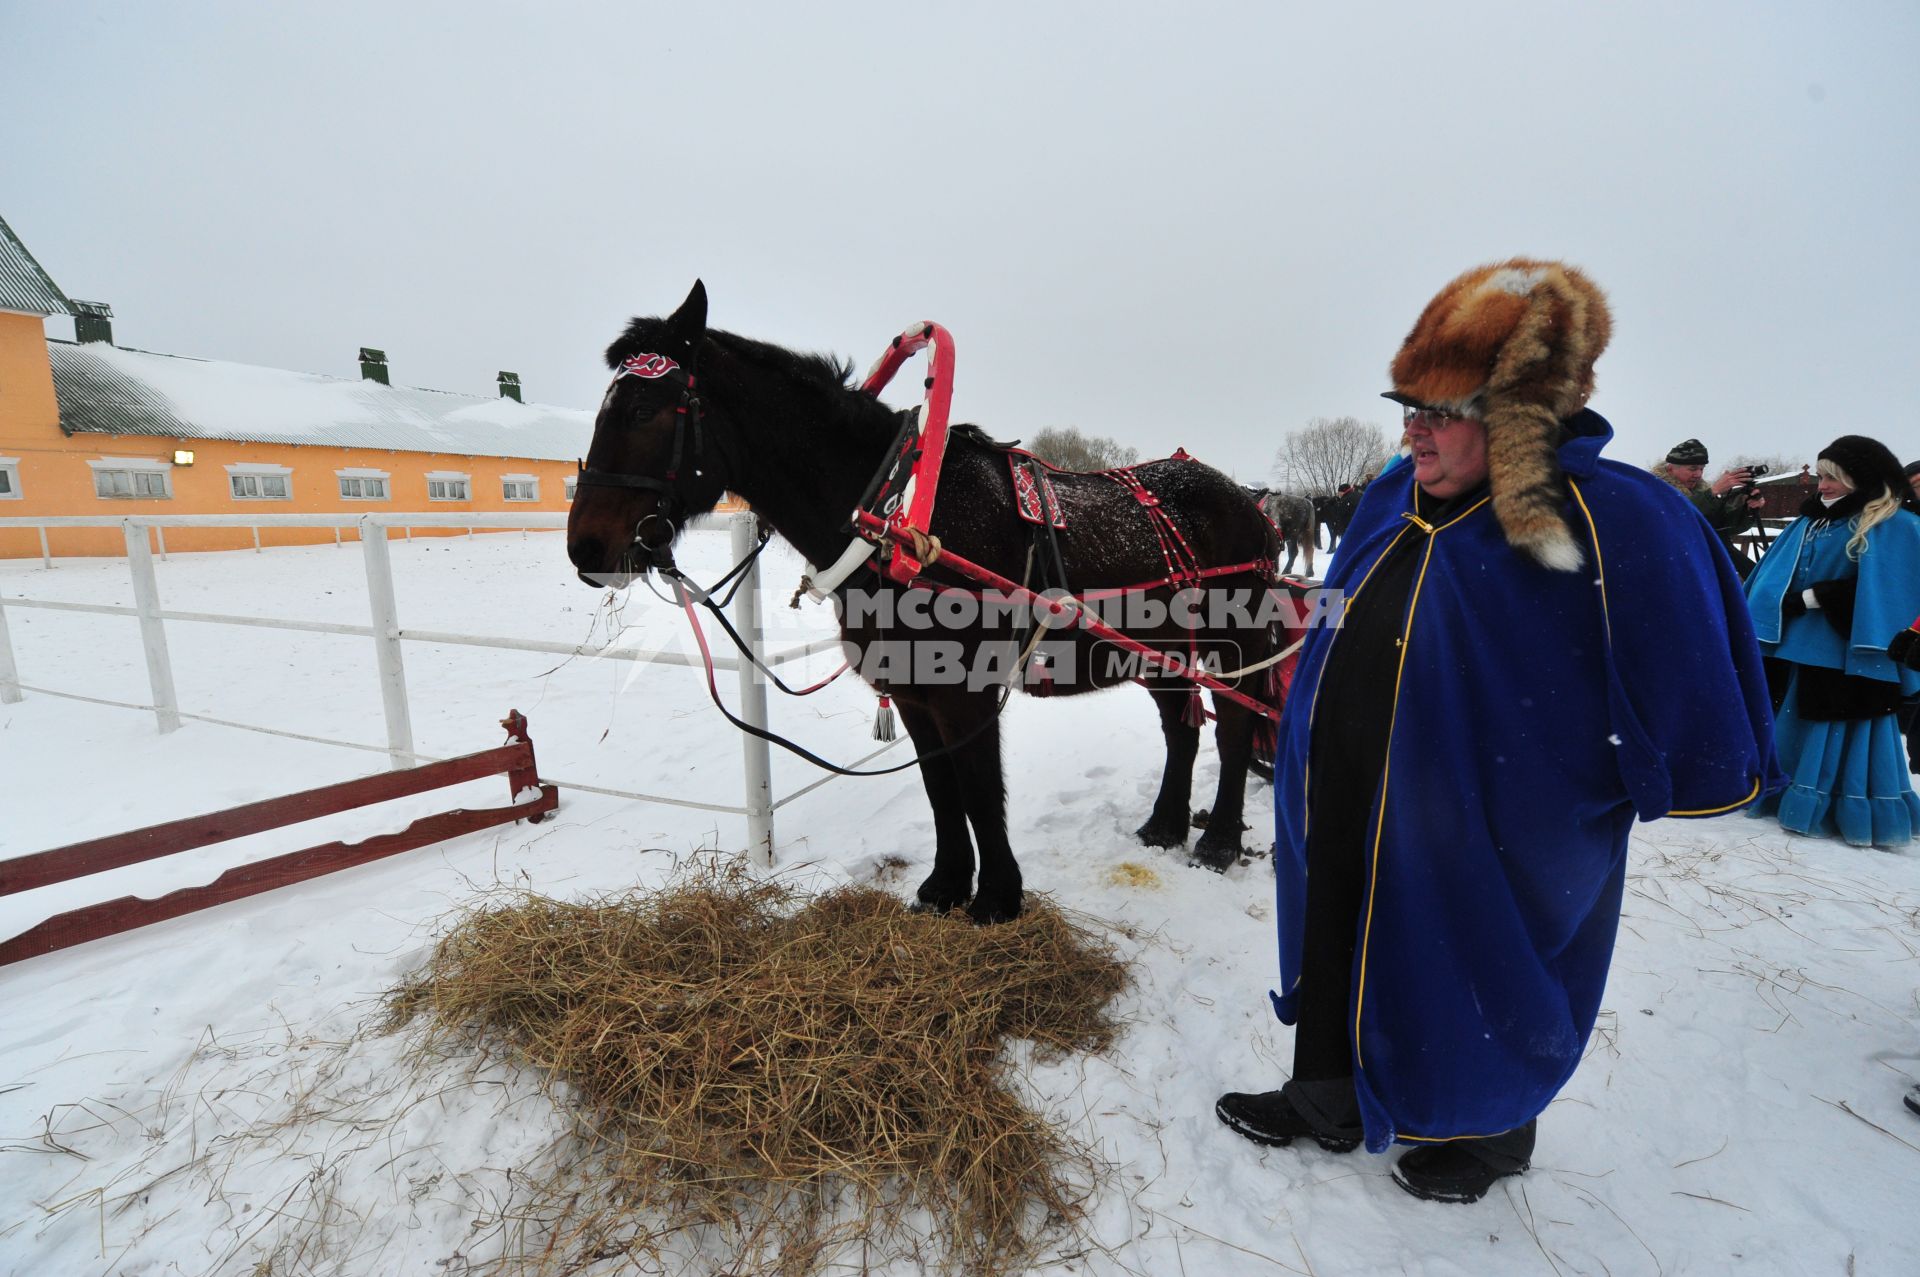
(787,1074)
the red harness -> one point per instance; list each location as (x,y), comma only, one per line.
(898,514)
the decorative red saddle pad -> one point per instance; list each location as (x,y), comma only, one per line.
(1026,495)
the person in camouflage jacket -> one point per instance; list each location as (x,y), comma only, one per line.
(1728,506)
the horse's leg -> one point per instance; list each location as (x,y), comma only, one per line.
(1219,845)
(950,884)
(983,787)
(1293,548)
(1167,826)
(1308,551)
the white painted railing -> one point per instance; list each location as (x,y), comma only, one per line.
(389,637)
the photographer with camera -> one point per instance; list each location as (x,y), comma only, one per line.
(1728,505)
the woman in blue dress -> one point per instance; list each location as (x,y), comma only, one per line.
(1833,590)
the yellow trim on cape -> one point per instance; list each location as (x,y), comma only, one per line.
(1593,532)
(1313,706)
(1402,1137)
(1386,766)
(1721,811)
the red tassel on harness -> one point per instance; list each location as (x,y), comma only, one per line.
(1039,676)
(883,719)
(1195,714)
(1266,737)
(1276,683)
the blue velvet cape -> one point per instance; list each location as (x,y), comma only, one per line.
(1536,714)
(1886,599)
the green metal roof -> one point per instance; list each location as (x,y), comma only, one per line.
(23,285)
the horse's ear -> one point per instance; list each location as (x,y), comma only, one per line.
(689,323)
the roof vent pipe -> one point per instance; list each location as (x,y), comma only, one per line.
(92,321)
(373,365)
(510,386)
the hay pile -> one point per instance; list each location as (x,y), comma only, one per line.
(787,1073)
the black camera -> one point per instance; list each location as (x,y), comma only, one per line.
(1754,472)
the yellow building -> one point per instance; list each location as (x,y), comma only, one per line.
(91,428)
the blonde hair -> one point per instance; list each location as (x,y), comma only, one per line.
(1877,511)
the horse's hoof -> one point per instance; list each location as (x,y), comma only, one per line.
(939,897)
(1217,850)
(1203,819)
(987,913)
(1163,833)
(1218,859)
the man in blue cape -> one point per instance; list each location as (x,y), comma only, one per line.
(1539,647)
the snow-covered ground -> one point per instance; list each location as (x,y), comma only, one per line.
(198,1096)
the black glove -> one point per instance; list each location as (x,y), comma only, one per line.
(1795,604)
(1905,649)
(1836,603)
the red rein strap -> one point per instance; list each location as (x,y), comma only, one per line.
(706,657)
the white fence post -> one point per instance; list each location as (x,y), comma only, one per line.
(46,552)
(386,643)
(9,673)
(753,697)
(153,631)
(160,537)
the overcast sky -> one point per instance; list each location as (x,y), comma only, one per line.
(1197,225)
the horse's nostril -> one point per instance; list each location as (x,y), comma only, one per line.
(588,553)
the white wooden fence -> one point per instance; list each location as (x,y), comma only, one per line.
(389,638)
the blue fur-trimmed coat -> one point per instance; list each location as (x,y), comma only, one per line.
(1536,715)
(1888,573)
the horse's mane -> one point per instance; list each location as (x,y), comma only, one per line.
(648,336)
(820,370)
(966,430)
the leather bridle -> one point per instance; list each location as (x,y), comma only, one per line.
(688,447)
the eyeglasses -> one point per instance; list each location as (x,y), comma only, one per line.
(1430,418)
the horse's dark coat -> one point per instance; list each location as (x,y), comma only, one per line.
(787,432)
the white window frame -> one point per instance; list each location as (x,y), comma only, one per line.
(259,470)
(569,486)
(10,468)
(448,477)
(532,481)
(131,466)
(360,477)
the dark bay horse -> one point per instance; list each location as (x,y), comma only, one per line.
(1335,512)
(789,433)
(1296,520)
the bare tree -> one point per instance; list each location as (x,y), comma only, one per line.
(1330,452)
(1066,447)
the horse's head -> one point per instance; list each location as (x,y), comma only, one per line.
(652,463)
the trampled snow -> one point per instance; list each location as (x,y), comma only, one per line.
(199,1096)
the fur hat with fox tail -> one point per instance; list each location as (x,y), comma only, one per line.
(1512,345)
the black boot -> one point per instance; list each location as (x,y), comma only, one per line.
(1912,1098)
(1463,1170)
(1270,1118)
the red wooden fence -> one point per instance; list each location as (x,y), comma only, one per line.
(111,917)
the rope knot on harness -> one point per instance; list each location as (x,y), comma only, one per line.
(926,546)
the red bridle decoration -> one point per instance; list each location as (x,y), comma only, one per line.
(649,367)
